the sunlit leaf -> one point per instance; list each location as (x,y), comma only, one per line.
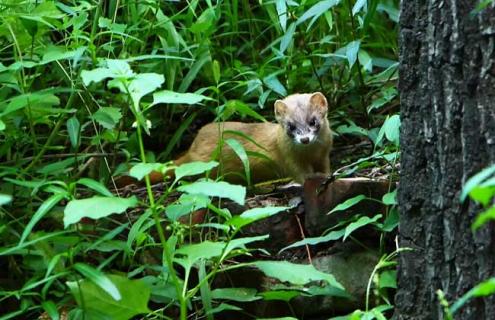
(96,207)
(193,168)
(216,189)
(167,96)
(298,274)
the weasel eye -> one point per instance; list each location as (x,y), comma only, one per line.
(291,126)
(312,122)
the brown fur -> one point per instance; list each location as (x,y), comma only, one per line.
(288,159)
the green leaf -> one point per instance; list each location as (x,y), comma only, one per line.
(348,203)
(5,198)
(108,117)
(119,68)
(30,99)
(351,52)
(96,207)
(193,169)
(391,221)
(281,6)
(2,125)
(392,129)
(483,289)
(361,222)
(284,295)
(255,214)
(194,252)
(167,96)
(287,37)
(243,109)
(187,203)
(365,60)
(390,198)
(388,279)
(317,10)
(98,278)
(484,217)
(51,309)
(334,235)
(205,21)
(95,185)
(235,294)
(223,307)
(240,243)
(144,83)
(273,83)
(482,194)
(215,66)
(96,75)
(57,167)
(74,130)
(241,153)
(45,207)
(54,53)
(476,180)
(216,189)
(299,274)
(358,6)
(106,23)
(98,304)
(140,170)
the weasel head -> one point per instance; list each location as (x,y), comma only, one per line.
(302,116)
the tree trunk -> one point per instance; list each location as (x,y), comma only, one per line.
(447,90)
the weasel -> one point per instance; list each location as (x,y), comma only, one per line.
(297,145)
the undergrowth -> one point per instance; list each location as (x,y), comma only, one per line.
(94,90)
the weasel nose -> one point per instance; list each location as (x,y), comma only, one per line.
(305,140)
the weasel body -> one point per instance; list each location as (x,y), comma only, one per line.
(298,145)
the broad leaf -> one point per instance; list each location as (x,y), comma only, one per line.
(299,274)
(96,207)
(140,170)
(98,304)
(167,96)
(216,189)
(235,294)
(193,169)
(107,117)
(255,214)
(348,203)
(96,186)
(361,222)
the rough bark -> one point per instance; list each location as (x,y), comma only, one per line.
(447,90)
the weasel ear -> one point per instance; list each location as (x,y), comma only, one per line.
(319,102)
(280,109)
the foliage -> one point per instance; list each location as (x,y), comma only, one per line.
(481,189)
(85,84)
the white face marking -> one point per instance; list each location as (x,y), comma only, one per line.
(300,118)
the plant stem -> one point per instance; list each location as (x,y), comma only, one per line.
(161,234)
